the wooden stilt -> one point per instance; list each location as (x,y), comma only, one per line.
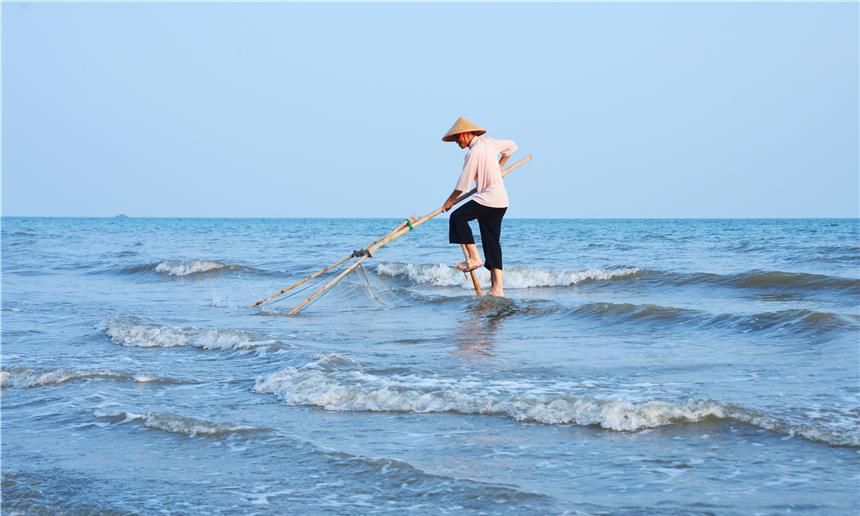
(404,228)
(472,273)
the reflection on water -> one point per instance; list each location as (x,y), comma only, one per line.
(476,334)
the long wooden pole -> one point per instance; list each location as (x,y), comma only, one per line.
(300,282)
(395,235)
(471,272)
(330,267)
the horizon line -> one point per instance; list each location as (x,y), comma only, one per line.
(816,217)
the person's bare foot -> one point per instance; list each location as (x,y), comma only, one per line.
(469,266)
(496,293)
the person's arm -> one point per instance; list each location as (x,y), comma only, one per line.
(451,200)
(466,177)
(506,148)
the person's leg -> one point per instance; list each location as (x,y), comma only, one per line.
(459,232)
(497,283)
(491,232)
(474,259)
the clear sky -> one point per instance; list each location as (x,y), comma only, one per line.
(337,110)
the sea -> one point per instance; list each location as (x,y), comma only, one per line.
(635,367)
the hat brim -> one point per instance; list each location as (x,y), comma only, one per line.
(453,137)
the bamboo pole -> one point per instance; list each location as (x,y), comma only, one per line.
(405,228)
(330,267)
(300,282)
(471,272)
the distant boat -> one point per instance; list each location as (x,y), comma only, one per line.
(121,216)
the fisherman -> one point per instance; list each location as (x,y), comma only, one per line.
(483,165)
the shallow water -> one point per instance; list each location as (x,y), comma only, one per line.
(637,366)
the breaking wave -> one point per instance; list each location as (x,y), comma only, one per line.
(441,275)
(133,332)
(26,378)
(193,268)
(551,404)
(515,277)
(173,423)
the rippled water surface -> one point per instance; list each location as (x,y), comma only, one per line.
(636,367)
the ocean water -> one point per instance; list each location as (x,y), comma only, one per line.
(636,367)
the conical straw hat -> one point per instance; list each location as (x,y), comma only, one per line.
(461,126)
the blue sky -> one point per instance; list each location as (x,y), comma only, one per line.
(337,110)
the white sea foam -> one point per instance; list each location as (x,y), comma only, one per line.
(221,302)
(515,277)
(354,390)
(552,403)
(526,277)
(838,428)
(132,332)
(26,378)
(186,268)
(177,424)
(332,361)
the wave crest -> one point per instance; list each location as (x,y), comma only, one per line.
(361,391)
(174,423)
(441,275)
(795,321)
(799,282)
(27,378)
(132,332)
(193,268)
(798,321)
(527,402)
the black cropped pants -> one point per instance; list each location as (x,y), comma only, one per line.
(490,223)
